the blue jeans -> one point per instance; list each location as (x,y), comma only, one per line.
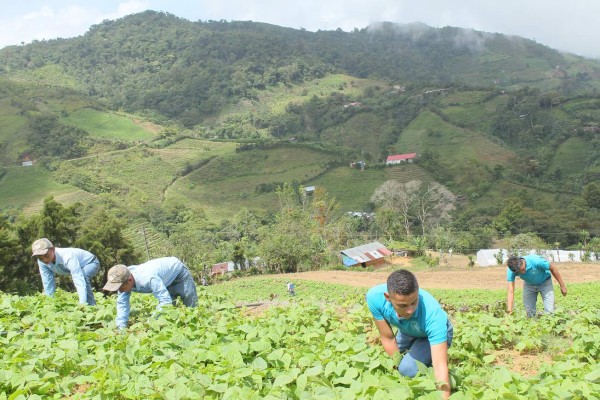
(418,349)
(530,293)
(89,271)
(184,287)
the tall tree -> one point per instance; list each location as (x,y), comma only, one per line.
(434,204)
(399,197)
(293,239)
(102,234)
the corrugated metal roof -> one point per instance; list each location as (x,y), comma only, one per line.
(398,157)
(366,252)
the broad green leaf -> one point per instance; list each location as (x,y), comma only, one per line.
(283,380)
(259,363)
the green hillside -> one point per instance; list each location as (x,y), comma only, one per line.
(455,145)
(107,125)
(139,175)
(572,156)
(151,114)
(351,186)
(227,183)
(22,187)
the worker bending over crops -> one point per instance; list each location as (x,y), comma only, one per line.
(166,278)
(536,273)
(424,330)
(80,264)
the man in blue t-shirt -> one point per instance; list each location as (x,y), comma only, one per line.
(424,330)
(535,272)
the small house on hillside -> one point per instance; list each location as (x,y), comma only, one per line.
(400,158)
(227,267)
(222,268)
(353,104)
(308,190)
(368,254)
(26,161)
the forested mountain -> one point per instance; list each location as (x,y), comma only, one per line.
(181,125)
(190,70)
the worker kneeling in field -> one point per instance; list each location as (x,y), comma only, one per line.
(80,264)
(424,330)
(536,272)
(166,278)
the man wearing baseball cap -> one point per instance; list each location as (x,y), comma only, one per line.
(166,278)
(80,264)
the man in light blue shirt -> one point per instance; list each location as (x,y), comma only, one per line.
(536,273)
(80,264)
(424,330)
(166,278)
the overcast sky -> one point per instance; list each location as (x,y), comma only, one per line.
(571,25)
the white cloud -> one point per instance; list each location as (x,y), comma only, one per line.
(568,26)
(70,20)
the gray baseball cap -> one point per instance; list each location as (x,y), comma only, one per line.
(40,247)
(117,275)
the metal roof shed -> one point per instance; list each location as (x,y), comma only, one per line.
(368,254)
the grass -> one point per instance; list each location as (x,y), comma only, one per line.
(404,173)
(141,176)
(351,187)
(365,131)
(259,288)
(455,145)
(470,111)
(228,183)
(572,157)
(107,125)
(274,100)
(25,186)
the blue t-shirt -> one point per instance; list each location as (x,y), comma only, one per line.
(429,320)
(537,270)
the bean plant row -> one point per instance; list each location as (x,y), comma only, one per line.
(250,339)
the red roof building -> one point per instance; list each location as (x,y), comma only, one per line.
(400,158)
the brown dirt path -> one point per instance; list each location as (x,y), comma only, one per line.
(450,278)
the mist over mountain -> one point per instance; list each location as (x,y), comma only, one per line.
(494,118)
(130,63)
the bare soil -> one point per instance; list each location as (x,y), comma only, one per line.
(453,276)
(454,273)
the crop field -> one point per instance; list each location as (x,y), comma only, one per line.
(226,194)
(365,131)
(452,142)
(476,116)
(25,186)
(571,156)
(274,100)
(107,125)
(140,175)
(319,344)
(351,187)
(12,142)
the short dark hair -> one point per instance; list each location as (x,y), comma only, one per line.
(514,263)
(402,282)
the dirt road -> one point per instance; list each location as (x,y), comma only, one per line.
(446,278)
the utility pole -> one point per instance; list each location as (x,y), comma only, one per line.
(146,242)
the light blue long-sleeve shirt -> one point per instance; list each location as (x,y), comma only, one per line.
(68,261)
(154,277)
